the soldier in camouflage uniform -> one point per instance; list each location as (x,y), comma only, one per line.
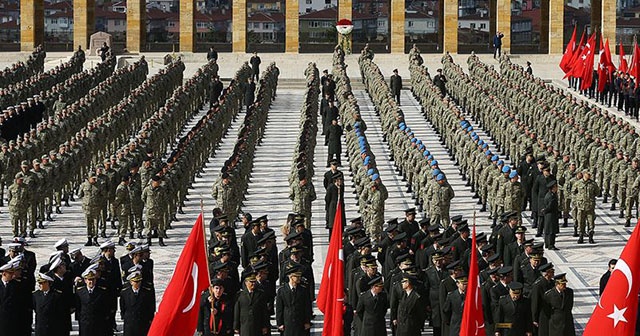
(122,209)
(374,197)
(222,192)
(585,193)
(440,195)
(302,194)
(154,199)
(90,193)
(18,198)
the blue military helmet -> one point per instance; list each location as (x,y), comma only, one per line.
(485,146)
(500,162)
(506,169)
(430,157)
(426,153)
(419,142)
(363,150)
(410,133)
(470,128)
(375,177)
(440,177)
(488,152)
(366,161)
(513,174)
(413,140)
(402,125)
(463,123)
(371,171)
(474,135)
(421,147)
(408,129)
(495,158)
(434,163)
(435,172)
(481,142)
(356,124)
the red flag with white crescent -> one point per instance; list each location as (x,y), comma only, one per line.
(330,298)
(178,310)
(616,311)
(472,314)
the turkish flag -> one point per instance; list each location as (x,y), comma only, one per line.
(623,62)
(605,66)
(587,65)
(615,313)
(178,310)
(577,52)
(472,315)
(568,53)
(634,68)
(330,298)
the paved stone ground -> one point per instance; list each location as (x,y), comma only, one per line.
(268,191)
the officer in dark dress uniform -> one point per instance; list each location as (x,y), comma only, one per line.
(137,306)
(372,308)
(409,225)
(93,307)
(454,305)
(539,309)
(409,319)
(293,305)
(249,316)
(560,302)
(50,319)
(513,314)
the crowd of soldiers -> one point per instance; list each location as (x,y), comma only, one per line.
(64,123)
(230,187)
(21,71)
(88,288)
(302,192)
(19,92)
(369,190)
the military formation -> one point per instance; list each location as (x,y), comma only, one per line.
(302,191)
(132,178)
(370,192)
(230,188)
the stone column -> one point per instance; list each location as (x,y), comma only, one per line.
(345,9)
(31,24)
(609,23)
(544,27)
(84,23)
(136,25)
(292,29)
(239,26)
(450,26)
(187,26)
(556,26)
(397,26)
(503,23)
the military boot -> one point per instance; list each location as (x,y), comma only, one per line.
(95,241)
(484,207)
(154,234)
(31,234)
(480,202)
(103,234)
(58,211)
(49,219)
(121,241)
(149,241)
(581,239)
(131,235)
(66,203)
(613,206)
(621,215)
(627,223)
(139,235)
(40,226)
(591,241)
(575,231)
(565,222)
(89,242)
(113,225)
(161,242)
(605,199)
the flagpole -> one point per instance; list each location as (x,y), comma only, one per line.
(206,249)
